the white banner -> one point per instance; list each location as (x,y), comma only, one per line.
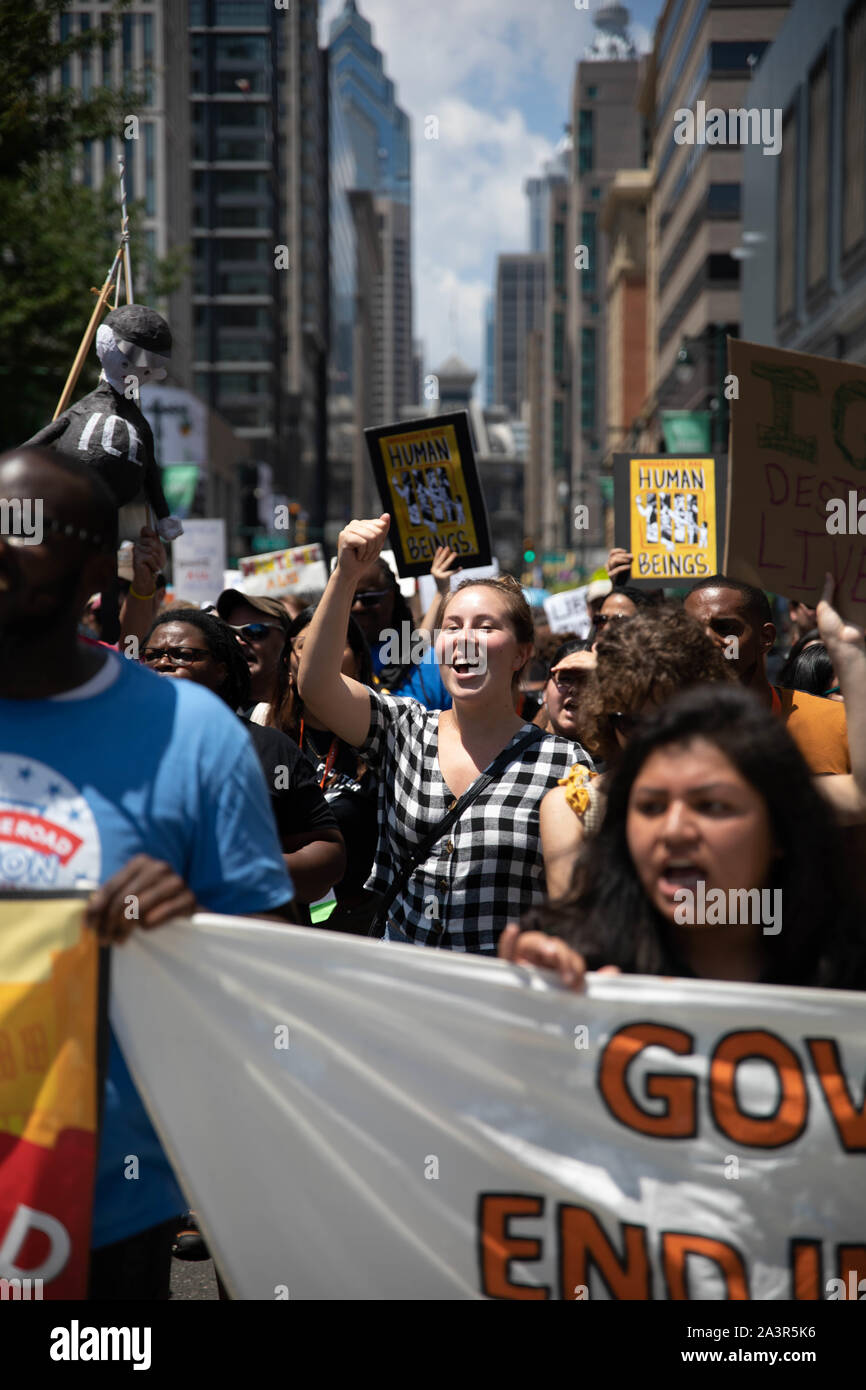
(360,1120)
(567,612)
(284,571)
(199,559)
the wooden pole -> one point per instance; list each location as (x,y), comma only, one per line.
(89,335)
(124,233)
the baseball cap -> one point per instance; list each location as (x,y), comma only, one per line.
(599,588)
(233,598)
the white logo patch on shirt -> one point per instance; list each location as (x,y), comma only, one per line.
(48,834)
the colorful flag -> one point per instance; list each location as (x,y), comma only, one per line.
(49,971)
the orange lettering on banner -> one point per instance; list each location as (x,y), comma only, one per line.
(849,1121)
(679,1118)
(583,1242)
(498,1248)
(760,1131)
(676,1248)
(806,1278)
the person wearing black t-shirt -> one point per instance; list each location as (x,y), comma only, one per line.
(198,646)
(349,786)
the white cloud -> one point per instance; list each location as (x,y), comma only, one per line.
(483,67)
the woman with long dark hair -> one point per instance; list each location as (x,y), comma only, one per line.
(712,803)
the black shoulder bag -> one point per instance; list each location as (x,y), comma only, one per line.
(377,926)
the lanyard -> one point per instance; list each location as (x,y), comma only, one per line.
(329,761)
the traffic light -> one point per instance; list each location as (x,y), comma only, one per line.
(528,550)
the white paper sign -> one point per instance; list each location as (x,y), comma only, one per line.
(284,572)
(355,1119)
(567,612)
(199,560)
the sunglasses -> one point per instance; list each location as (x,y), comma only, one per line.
(178,656)
(372,597)
(624,724)
(609,617)
(254,632)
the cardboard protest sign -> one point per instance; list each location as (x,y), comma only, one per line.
(284,572)
(650,1139)
(567,612)
(428,480)
(668,512)
(797,505)
(49,1083)
(199,559)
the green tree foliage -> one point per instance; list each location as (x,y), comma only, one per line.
(57,236)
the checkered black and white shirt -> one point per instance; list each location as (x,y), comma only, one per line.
(488,869)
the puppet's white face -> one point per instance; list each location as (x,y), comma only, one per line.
(122,360)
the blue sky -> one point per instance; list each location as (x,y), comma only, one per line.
(497,74)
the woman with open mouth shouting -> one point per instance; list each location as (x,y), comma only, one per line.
(459,849)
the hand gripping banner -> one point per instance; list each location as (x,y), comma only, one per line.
(360,1120)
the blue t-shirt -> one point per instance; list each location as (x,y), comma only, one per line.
(139,765)
(422,681)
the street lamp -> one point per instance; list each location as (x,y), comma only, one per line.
(685,367)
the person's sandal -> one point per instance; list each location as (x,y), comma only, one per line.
(189,1243)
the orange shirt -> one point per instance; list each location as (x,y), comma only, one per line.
(817,726)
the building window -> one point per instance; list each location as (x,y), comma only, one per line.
(65,32)
(557,434)
(588,239)
(86,58)
(127,41)
(591,93)
(242,12)
(559,255)
(817,184)
(585,142)
(558,344)
(595,193)
(149,170)
(587,378)
(786,223)
(147,45)
(854,153)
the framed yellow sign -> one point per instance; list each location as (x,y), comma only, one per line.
(668,513)
(428,481)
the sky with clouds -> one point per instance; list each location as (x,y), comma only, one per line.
(498,75)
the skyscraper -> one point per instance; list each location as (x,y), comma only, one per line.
(377,133)
(150,54)
(520,290)
(260,231)
(607,134)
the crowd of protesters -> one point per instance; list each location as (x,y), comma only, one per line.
(489,788)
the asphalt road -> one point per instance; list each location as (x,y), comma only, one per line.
(195,1282)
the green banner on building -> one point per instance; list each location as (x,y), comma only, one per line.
(686,431)
(179,482)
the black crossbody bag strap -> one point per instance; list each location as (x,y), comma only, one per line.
(421,851)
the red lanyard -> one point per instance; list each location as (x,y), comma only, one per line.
(329,761)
